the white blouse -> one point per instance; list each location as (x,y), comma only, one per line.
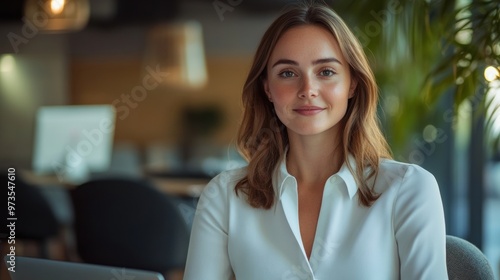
(401,236)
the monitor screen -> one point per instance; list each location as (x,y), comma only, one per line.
(72,141)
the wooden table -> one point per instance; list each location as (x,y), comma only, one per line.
(185,187)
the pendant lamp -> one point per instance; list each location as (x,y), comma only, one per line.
(57,15)
(177,50)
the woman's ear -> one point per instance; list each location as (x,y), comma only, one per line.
(352,87)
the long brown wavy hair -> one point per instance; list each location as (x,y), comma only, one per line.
(262,138)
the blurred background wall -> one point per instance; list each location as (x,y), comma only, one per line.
(429,57)
(106,60)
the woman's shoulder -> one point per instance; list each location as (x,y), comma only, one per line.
(231,176)
(407,177)
(226,180)
(402,170)
(413,191)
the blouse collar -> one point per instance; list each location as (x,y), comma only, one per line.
(281,176)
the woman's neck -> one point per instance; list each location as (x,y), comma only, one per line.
(312,159)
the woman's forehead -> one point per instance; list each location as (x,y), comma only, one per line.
(306,42)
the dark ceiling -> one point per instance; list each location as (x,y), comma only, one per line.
(106,11)
(112,12)
(10,10)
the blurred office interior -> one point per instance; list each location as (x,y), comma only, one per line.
(172,72)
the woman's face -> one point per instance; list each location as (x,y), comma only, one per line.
(308,81)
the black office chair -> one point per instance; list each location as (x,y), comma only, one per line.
(36,220)
(465,261)
(129,223)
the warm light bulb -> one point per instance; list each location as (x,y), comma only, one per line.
(491,73)
(57,6)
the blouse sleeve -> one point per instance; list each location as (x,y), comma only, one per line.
(420,227)
(208,253)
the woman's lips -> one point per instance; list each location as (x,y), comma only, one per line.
(308,110)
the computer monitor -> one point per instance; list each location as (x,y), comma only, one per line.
(26,268)
(73,141)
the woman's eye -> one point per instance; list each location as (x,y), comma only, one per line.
(327,72)
(286,74)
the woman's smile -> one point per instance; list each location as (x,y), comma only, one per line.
(309,110)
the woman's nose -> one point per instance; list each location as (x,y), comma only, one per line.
(308,89)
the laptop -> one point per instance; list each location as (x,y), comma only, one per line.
(42,269)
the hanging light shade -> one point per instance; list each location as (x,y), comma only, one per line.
(57,15)
(177,49)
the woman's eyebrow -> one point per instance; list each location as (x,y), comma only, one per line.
(326,60)
(285,61)
(315,62)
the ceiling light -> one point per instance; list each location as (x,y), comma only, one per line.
(57,6)
(57,15)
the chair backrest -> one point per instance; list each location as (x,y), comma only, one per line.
(44,269)
(36,219)
(466,261)
(129,223)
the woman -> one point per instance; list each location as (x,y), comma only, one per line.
(320,197)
